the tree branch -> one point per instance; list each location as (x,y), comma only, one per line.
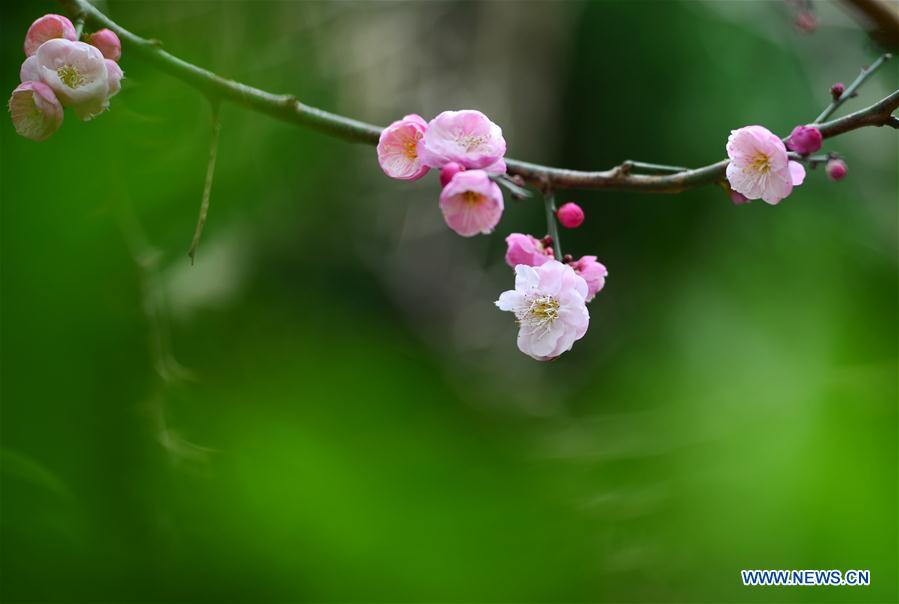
(287,108)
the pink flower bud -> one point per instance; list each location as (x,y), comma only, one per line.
(805,140)
(806,21)
(46,28)
(570,215)
(448,171)
(836,169)
(738,198)
(108,43)
(836,91)
(36,112)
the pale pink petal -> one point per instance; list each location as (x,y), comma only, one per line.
(797,173)
(46,28)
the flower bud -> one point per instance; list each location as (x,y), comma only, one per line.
(738,198)
(836,169)
(806,21)
(836,91)
(108,43)
(570,215)
(35,110)
(805,140)
(448,171)
(46,28)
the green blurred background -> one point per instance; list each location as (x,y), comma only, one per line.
(328,407)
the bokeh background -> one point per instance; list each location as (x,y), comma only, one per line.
(328,407)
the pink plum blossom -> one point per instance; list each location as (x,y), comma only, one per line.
(527,250)
(114,77)
(46,28)
(77,74)
(549,304)
(36,112)
(570,215)
(759,167)
(108,43)
(593,272)
(836,169)
(398,151)
(466,137)
(805,140)
(471,203)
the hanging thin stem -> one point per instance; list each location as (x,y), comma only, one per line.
(850,91)
(210,173)
(552,227)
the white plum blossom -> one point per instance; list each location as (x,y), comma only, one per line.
(549,303)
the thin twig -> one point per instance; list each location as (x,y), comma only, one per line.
(850,91)
(289,109)
(210,174)
(552,227)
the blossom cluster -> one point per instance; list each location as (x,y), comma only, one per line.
(61,71)
(760,166)
(550,295)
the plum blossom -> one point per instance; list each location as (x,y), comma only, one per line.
(527,250)
(107,42)
(570,215)
(759,167)
(46,28)
(549,304)
(36,112)
(398,151)
(805,140)
(466,137)
(591,271)
(78,75)
(471,203)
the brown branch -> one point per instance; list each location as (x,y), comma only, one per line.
(289,109)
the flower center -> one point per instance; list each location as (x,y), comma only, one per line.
(70,76)
(761,163)
(470,142)
(409,148)
(541,313)
(472,198)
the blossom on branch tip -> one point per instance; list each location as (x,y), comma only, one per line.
(549,304)
(836,169)
(805,140)
(398,152)
(471,203)
(593,272)
(35,110)
(759,167)
(466,137)
(46,28)
(570,215)
(107,42)
(527,250)
(78,75)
